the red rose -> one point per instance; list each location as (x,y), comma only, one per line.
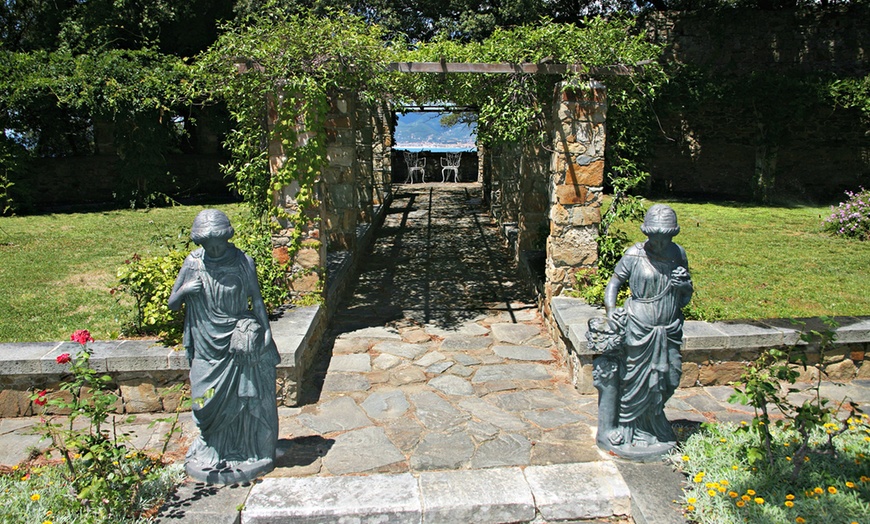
(64,358)
(40,399)
(82,336)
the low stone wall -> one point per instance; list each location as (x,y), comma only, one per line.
(142,371)
(716,353)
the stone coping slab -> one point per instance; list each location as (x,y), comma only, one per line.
(572,314)
(292,332)
(589,490)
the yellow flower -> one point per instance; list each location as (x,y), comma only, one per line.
(789,504)
(735,468)
(806,459)
(733,494)
(832,490)
(692,500)
(685,458)
(723,440)
(711,492)
(740,503)
(35,497)
(46,522)
(15,467)
(750,492)
(850,484)
(745,497)
(711,485)
(788,459)
(818,491)
(724,482)
(786,444)
(690,508)
(789,497)
(721,489)
(800,520)
(759,500)
(865,478)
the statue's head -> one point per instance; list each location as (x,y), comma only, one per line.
(211,224)
(662,220)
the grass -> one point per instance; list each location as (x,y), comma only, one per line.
(753,262)
(747,262)
(56,270)
(724,487)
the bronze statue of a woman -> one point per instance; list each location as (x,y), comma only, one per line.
(232,357)
(639,373)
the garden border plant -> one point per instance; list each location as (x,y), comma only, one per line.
(802,463)
(104,478)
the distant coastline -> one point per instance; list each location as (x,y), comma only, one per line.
(436,148)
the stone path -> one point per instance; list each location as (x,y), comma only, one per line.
(439,359)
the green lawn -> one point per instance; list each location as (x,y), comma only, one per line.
(56,270)
(749,261)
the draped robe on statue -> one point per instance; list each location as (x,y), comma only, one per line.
(653,335)
(232,371)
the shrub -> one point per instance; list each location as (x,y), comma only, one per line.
(149,281)
(851,219)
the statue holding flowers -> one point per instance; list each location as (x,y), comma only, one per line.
(639,366)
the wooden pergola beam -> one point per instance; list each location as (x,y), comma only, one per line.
(527,68)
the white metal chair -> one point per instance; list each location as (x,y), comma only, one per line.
(411,162)
(450,162)
(419,167)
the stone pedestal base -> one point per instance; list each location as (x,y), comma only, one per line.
(653,453)
(235,474)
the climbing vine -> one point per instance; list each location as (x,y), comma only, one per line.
(277,72)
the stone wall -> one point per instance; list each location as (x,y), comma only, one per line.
(717,353)
(144,371)
(746,116)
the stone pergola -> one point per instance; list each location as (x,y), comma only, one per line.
(554,187)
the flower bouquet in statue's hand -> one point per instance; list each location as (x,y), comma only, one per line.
(606,335)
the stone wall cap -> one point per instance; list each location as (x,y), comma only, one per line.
(572,314)
(24,358)
(292,330)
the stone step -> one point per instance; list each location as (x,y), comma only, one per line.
(559,492)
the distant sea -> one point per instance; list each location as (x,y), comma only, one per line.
(435,148)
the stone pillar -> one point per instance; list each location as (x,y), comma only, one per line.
(577,176)
(305,266)
(340,175)
(382,153)
(364,134)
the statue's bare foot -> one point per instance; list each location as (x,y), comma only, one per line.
(615,437)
